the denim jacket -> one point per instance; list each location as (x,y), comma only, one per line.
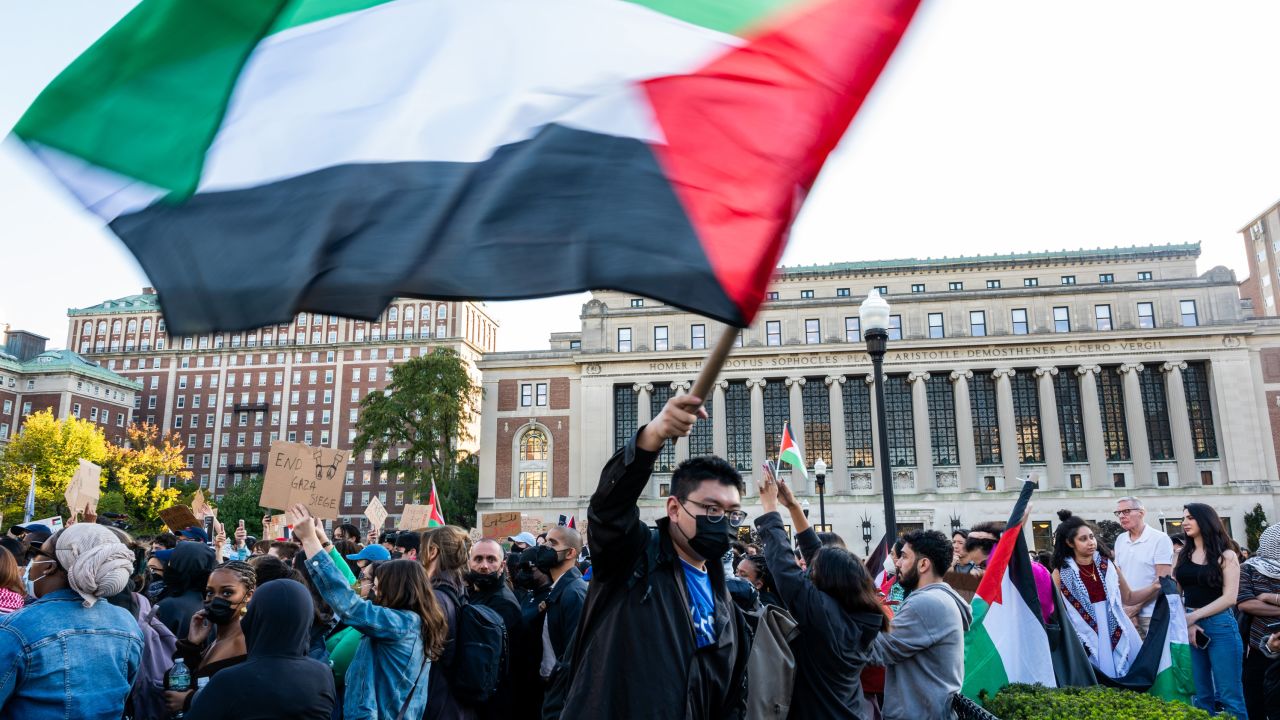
(59,659)
(389,658)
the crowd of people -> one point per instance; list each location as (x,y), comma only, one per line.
(673,620)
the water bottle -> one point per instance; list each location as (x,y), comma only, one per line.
(179,681)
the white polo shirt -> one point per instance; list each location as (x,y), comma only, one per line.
(1138,559)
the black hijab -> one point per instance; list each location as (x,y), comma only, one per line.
(188,568)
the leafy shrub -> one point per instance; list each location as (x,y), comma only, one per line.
(1036,702)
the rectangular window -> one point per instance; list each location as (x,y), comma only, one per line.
(702,437)
(942,420)
(816,399)
(852,329)
(993,284)
(777,411)
(1106,278)
(842,292)
(806,294)
(526,395)
(1155,408)
(1115,438)
(1144,275)
(882,290)
(936,329)
(541,394)
(1117,479)
(1030,282)
(1188,310)
(658,397)
(955,286)
(1195,384)
(660,337)
(1077,481)
(986,423)
(1102,317)
(1068,279)
(857,423)
(917,288)
(773,332)
(624,339)
(637,302)
(895,327)
(1162,478)
(1061,319)
(900,421)
(1206,477)
(1066,387)
(625,418)
(1018,317)
(737,424)
(533,483)
(1026,415)
(698,337)
(771,295)
(978,323)
(812,331)
(1146,315)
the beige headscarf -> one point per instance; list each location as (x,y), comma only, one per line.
(98,565)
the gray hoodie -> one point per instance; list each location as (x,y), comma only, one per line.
(923,654)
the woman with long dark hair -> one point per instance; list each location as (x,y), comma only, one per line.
(1208,571)
(1096,594)
(755,570)
(444,552)
(838,612)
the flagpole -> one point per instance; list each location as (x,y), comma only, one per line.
(29,509)
(715,361)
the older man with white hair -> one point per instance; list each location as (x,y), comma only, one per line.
(1143,554)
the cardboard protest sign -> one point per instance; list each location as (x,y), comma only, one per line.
(376,512)
(298,473)
(85,487)
(415,517)
(199,506)
(179,518)
(531,525)
(273,527)
(500,525)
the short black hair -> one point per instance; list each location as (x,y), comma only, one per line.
(349,529)
(409,540)
(933,545)
(693,472)
(167,539)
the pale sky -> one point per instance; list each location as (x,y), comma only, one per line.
(999,126)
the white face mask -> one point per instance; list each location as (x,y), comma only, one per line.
(889,567)
(26,576)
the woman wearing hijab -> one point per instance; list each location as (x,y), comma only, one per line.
(215,641)
(1259,605)
(67,638)
(277,681)
(187,569)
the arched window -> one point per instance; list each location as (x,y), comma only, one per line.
(87,329)
(115,326)
(102,327)
(146,325)
(393,313)
(133,325)
(442,311)
(408,312)
(532,464)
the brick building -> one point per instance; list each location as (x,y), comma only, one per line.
(1261,238)
(228,395)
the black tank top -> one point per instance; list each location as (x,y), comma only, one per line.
(1198,588)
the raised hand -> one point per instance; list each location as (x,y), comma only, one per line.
(304,525)
(198,629)
(241,534)
(768,490)
(676,420)
(89,515)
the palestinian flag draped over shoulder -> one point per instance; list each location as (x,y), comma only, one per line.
(261,158)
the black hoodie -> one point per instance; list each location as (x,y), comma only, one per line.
(185,575)
(278,681)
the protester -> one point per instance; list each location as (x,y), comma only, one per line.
(658,597)
(215,640)
(526,641)
(237,548)
(487,585)
(1259,606)
(1208,571)
(364,561)
(13,593)
(262,548)
(445,556)
(958,538)
(558,557)
(284,551)
(1143,554)
(403,628)
(755,570)
(1096,594)
(323,621)
(67,655)
(154,588)
(923,652)
(521,542)
(187,568)
(270,567)
(407,544)
(164,541)
(276,680)
(193,534)
(836,609)
(346,532)
(978,544)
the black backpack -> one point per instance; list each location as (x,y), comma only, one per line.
(480,652)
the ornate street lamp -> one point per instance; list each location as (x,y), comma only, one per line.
(820,480)
(874,314)
(866,532)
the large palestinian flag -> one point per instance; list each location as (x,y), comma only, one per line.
(1163,664)
(268,156)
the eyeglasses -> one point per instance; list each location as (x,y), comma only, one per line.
(715,513)
(1125,512)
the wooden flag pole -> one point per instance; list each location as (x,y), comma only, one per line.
(715,361)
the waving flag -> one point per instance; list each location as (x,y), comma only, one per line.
(265,157)
(789,452)
(436,518)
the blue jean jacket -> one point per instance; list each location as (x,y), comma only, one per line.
(59,659)
(389,657)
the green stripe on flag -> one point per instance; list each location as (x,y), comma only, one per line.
(147,98)
(983,666)
(301,12)
(1175,682)
(728,16)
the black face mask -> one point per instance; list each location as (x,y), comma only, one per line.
(220,611)
(525,579)
(711,540)
(545,558)
(484,582)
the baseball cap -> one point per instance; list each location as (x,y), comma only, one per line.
(373,553)
(195,533)
(163,555)
(37,527)
(525,537)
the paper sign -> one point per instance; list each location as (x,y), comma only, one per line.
(500,525)
(376,513)
(298,473)
(85,487)
(53,523)
(199,507)
(415,517)
(531,525)
(179,518)
(274,528)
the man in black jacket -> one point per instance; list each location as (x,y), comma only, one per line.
(558,557)
(487,585)
(526,654)
(660,637)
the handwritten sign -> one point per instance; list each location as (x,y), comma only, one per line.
(500,525)
(298,473)
(415,517)
(179,518)
(376,513)
(85,487)
(274,527)
(199,506)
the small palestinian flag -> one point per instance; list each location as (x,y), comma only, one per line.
(789,452)
(262,157)
(436,518)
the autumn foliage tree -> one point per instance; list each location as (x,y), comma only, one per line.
(54,449)
(134,471)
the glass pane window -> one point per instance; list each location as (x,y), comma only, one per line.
(737,423)
(661,393)
(660,337)
(993,284)
(900,421)
(526,395)
(942,420)
(777,412)
(698,337)
(1018,317)
(541,397)
(533,483)
(1066,387)
(533,445)
(852,329)
(1030,282)
(1102,317)
(1115,438)
(1106,278)
(773,332)
(857,423)
(986,422)
(936,328)
(625,415)
(977,323)
(812,331)
(1026,413)
(1061,319)
(624,339)
(817,420)
(1188,310)
(895,327)
(1155,408)
(1146,315)
(702,437)
(1068,279)
(1195,384)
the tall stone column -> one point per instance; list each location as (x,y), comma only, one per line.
(1179,423)
(719,423)
(643,413)
(759,453)
(1008,424)
(1091,413)
(839,453)
(964,430)
(796,398)
(682,444)
(1050,433)
(878,472)
(925,480)
(1135,419)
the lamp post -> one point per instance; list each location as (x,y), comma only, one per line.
(866,533)
(820,480)
(874,315)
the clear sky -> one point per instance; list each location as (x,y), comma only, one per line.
(1000,126)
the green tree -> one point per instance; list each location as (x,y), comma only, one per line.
(458,497)
(1108,531)
(241,503)
(1255,522)
(54,448)
(135,471)
(423,415)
